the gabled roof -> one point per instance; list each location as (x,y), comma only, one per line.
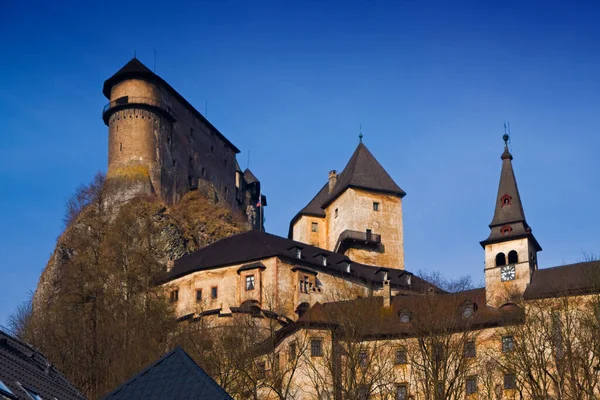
(565,280)
(363,171)
(135,69)
(174,376)
(255,245)
(24,368)
(509,218)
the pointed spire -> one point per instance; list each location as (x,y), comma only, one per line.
(509,218)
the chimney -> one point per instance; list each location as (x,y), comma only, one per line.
(332,179)
(170,265)
(387,293)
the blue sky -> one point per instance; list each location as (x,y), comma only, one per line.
(431,82)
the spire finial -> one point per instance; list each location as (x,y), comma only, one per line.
(360,135)
(506,137)
(134,54)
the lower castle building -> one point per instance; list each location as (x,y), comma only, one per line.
(355,324)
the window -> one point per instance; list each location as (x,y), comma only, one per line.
(292,353)
(402,392)
(438,352)
(316,349)
(324,260)
(470,350)
(500,259)
(363,359)
(513,257)
(508,344)
(262,369)
(314,227)
(401,357)
(298,252)
(250,282)
(468,311)
(174,295)
(375,206)
(471,385)
(214,292)
(510,381)
(121,146)
(362,392)
(336,213)
(404,317)
(198,295)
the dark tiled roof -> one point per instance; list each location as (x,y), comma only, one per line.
(173,376)
(19,362)
(136,69)
(510,214)
(249,177)
(427,312)
(363,171)
(256,245)
(566,280)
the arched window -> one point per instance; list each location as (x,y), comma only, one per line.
(404,316)
(500,259)
(513,257)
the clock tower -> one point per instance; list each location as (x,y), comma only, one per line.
(511,249)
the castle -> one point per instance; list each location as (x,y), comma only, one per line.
(160,144)
(343,260)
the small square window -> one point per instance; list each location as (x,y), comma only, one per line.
(375,206)
(250,282)
(174,295)
(214,292)
(471,385)
(401,357)
(316,348)
(470,350)
(198,295)
(315,227)
(510,381)
(402,392)
(363,359)
(508,344)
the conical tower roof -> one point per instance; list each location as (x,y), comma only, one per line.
(362,171)
(509,218)
(133,69)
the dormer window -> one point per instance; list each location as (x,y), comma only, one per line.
(505,230)
(298,252)
(324,260)
(404,316)
(506,200)
(468,309)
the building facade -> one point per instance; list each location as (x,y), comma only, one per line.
(354,324)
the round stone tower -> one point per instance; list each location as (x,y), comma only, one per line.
(140,122)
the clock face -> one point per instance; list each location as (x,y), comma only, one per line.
(507,273)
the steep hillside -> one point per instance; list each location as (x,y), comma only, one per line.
(97,314)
